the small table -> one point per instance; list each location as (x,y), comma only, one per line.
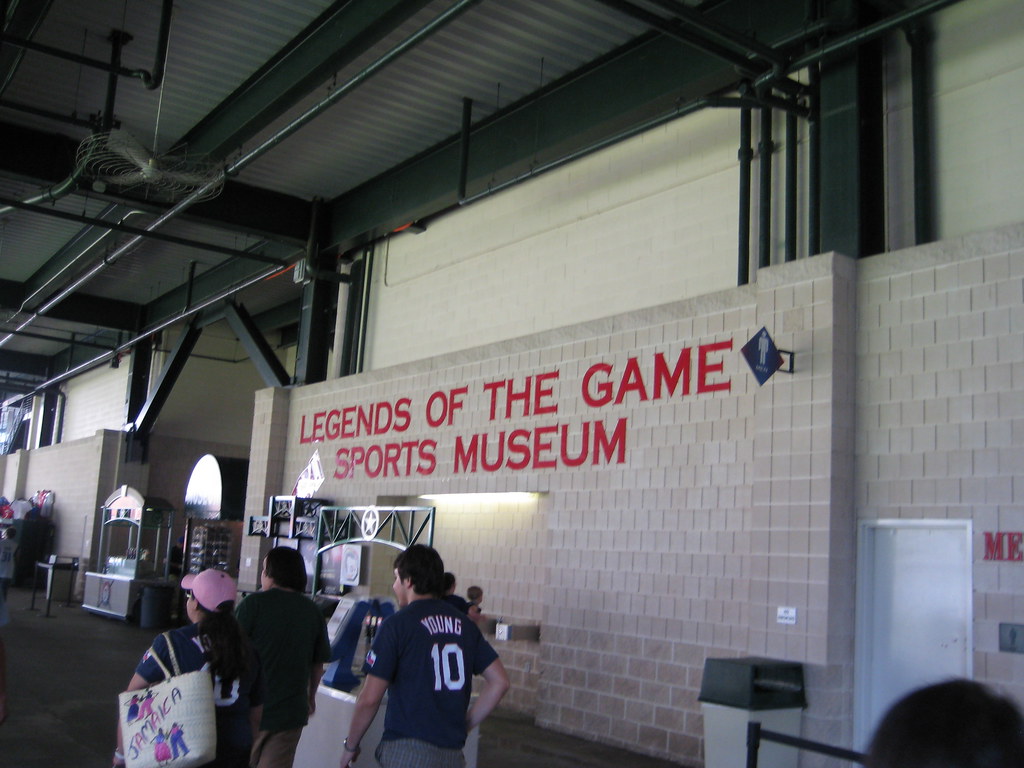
(54,564)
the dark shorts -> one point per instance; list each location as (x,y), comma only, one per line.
(413,753)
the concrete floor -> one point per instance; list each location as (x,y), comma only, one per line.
(64,674)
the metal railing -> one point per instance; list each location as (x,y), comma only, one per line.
(756,734)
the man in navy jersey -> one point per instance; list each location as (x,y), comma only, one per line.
(425,657)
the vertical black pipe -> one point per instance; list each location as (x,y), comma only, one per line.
(355,298)
(791,166)
(364,317)
(467,121)
(117,40)
(156,78)
(753,743)
(814,165)
(920,71)
(190,285)
(764,150)
(745,155)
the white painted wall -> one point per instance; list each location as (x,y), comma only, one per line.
(649,221)
(211,401)
(654,219)
(95,401)
(978,92)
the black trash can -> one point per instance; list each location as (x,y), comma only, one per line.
(155,608)
(734,692)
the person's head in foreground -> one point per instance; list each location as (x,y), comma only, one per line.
(955,724)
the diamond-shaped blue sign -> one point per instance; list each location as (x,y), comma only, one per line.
(762,356)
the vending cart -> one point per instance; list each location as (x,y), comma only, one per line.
(134,553)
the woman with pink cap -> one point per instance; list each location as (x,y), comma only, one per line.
(214,641)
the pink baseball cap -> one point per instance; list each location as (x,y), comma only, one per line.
(211,588)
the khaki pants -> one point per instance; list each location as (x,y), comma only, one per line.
(275,749)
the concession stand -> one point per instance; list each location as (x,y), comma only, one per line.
(134,553)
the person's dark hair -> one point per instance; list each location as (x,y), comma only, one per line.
(449,582)
(424,567)
(226,645)
(956,724)
(287,568)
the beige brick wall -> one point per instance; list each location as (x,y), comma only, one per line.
(722,508)
(941,409)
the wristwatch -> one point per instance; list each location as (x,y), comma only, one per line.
(347,747)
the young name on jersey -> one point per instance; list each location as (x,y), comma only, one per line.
(442,625)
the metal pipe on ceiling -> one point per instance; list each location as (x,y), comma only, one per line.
(748,46)
(675,29)
(143,232)
(73,244)
(82,122)
(151,80)
(153,330)
(856,38)
(415,38)
(358,79)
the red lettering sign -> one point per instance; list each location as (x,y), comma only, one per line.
(1004,546)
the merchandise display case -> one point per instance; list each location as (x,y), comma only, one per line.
(289,517)
(212,544)
(134,552)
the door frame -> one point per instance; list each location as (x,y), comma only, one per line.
(864,621)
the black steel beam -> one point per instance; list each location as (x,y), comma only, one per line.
(210,283)
(44,158)
(76,308)
(24,20)
(260,352)
(24,363)
(168,377)
(132,230)
(316,319)
(138,379)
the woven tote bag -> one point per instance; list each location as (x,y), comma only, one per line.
(171,723)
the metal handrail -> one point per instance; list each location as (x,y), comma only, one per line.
(756,734)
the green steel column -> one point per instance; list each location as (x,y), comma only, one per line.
(316,318)
(851,202)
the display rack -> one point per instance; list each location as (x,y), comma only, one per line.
(291,517)
(212,544)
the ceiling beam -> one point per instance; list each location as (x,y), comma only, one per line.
(651,76)
(333,41)
(42,158)
(24,364)
(211,283)
(114,314)
(24,20)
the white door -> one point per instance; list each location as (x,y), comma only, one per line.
(913,612)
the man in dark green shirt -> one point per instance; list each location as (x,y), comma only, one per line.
(290,634)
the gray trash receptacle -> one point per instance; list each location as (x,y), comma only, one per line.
(155,607)
(735,692)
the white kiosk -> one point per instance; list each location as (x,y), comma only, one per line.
(134,552)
